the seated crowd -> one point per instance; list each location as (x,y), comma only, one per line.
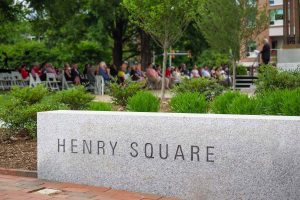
(174,75)
(152,75)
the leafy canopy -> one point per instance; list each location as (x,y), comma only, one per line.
(230,24)
(164,20)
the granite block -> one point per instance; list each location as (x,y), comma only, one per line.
(182,155)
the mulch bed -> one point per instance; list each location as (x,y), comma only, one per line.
(165,106)
(19,154)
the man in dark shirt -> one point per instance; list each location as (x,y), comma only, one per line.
(266,52)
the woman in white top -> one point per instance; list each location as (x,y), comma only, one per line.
(176,75)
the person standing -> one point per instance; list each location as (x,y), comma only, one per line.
(266,52)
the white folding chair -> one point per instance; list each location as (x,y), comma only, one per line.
(51,81)
(66,84)
(99,86)
(17,79)
(2,82)
(7,80)
(38,80)
(33,82)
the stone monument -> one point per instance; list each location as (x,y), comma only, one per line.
(188,156)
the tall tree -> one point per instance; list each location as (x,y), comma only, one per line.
(11,18)
(145,48)
(71,25)
(193,41)
(228,25)
(116,24)
(165,21)
(9,9)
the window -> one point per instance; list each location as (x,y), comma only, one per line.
(251,46)
(276,17)
(275,2)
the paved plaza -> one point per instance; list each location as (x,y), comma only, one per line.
(23,188)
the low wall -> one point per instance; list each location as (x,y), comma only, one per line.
(288,59)
(182,155)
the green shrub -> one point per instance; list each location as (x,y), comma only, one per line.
(122,92)
(143,101)
(4,99)
(20,113)
(291,104)
(277,102)
(100,106)
(280,102)
(19,118)
(189,103)
(271,101)
(29,95)
(221,104)
(76,98)
(270,78)
(240,70)
(210,88)
(244,105)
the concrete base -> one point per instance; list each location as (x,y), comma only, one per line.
(288,59)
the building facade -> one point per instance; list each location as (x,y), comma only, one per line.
(291,28)
(274,32)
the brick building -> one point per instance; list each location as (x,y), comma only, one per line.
(274,33)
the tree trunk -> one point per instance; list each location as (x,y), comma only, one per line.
(118,50)
(118,34)
(163,81)
(146,55)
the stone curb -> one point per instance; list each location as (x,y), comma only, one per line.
(18,172)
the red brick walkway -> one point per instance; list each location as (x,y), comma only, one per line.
(21,188)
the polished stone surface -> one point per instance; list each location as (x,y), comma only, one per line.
(182,155)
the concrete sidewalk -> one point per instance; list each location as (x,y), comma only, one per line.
(23,188)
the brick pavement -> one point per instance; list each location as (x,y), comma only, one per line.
(24,188)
